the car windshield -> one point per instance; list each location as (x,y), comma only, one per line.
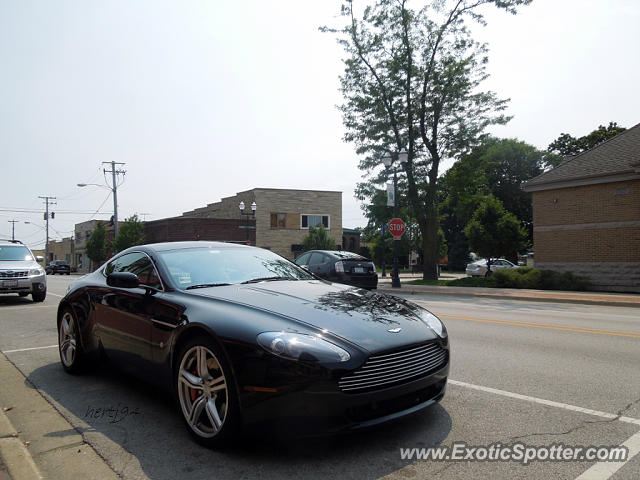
(209,267)
(15,253)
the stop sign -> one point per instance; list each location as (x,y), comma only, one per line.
(397,228)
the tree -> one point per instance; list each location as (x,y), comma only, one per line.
(96,245)
(411,81)
(494,232)
(566,145)
(497,167)
(318,239)
(129,234)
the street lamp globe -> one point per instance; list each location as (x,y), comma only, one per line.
(403,156)
(253,207)
(241,206)
(387,161)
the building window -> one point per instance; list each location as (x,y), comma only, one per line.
(278,220)
(307,221)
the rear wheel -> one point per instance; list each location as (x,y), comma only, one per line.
(206,393)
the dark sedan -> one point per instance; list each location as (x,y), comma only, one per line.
(341,267)
(58,266)
(242,336)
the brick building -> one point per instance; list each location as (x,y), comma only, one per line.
(283,216)
(586,214)
(177,229)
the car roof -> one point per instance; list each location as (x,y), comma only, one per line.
(339,253)
(165,246)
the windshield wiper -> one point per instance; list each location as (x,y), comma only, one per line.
(268,279)
(206,285)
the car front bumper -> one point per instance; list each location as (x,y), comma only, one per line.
(321,409)
(24,284)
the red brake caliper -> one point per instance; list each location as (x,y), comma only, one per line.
(192,391)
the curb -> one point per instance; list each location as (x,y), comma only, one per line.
(610,301)
(15,456)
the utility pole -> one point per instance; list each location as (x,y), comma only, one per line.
(13,229)
(47,201)
(114,188)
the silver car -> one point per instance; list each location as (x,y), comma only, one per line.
(479,267)
(20,272)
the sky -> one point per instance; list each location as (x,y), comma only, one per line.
(204,99)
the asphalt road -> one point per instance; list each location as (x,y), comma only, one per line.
(536,373)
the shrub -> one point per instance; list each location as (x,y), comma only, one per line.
(529,277)
(473,282)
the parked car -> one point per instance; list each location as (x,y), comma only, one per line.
(479,267)
(19,271)
(242,336)
(340,267)
(58,266)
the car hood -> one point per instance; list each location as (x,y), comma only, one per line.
(18,265)
(373,321)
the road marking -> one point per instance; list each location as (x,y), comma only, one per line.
(547,326)
(542,401)
(29,349)
(55,294)
(605,470)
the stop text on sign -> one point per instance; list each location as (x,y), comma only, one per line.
(397,228)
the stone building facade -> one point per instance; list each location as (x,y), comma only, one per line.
(283,216)
(586,214)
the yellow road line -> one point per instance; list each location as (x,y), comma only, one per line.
(565,328)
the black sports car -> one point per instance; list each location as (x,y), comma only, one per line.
(241,335)
(341,267)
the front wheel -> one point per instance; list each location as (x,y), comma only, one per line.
(206,395)
(39,296)
(71,355)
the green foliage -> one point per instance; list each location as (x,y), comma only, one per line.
(529,277)
(96,245)
(567,145)
(497,167)
(318,239)
(131,233)
(522,277)
(493,232)
(412,81)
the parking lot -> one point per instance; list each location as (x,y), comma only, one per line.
(533,373)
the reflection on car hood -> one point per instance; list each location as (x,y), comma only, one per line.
(359,316)
(17,265)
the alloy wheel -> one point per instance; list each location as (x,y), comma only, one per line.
(67,340)
(202,391)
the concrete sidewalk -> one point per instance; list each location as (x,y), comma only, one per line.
(36,440)
(588,298)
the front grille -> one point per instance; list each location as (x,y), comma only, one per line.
(383,370)
(14,274)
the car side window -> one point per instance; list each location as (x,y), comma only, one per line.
(303,259)
(316,259)
(139,264)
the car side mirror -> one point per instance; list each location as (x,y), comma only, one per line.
(123,280)
(39,258)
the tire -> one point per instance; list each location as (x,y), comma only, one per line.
(206,394)
(71,355)
(39,296)
(23,294)
(489,273)
(68,273)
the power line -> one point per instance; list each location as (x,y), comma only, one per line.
(114,188)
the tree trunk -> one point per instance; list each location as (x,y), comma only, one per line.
(430,247)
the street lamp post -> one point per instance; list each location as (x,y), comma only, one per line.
(247,216)
(114,189)
(388,160)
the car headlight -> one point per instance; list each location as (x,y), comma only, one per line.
(299,346)
(434,323)
(34,272)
